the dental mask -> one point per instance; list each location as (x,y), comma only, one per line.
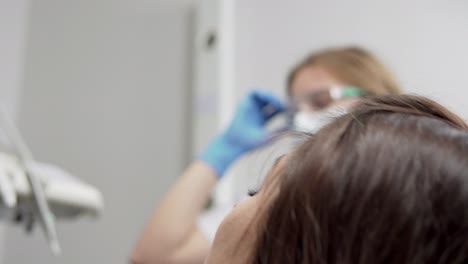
(311,122)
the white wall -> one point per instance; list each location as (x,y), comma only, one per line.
(106,96)
(423,42)
(13,20)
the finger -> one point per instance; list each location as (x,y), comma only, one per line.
(268,104)
(269,111)
(263,99)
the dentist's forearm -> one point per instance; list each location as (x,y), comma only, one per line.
(175,220)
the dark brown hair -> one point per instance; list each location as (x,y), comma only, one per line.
(354,66)
(387,183)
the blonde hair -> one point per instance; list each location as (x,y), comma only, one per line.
(354,66)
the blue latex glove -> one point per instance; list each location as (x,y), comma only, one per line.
(245,132)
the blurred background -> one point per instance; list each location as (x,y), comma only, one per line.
(124,93)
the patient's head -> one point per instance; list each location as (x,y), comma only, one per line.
(387,183)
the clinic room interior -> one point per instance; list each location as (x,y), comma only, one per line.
(233,131)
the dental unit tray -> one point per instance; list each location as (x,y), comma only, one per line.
(25,159)
(50,191)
